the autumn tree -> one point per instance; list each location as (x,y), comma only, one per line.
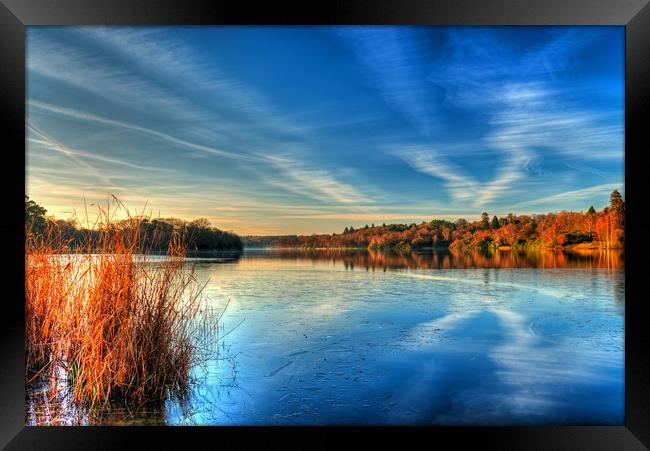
(610,225)
(522,232)
(606,228)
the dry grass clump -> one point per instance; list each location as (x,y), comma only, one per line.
(108,322)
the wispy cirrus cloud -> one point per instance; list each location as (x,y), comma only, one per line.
(85,116)
(395,60)
(95,73)
(58,146)
(83,154)
(602,191)
(296,176)
(302,127)
(521,110)
(147,64)
(317,183)
(463,188)
(556,58)
(170,59)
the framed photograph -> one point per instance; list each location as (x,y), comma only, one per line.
(388,217)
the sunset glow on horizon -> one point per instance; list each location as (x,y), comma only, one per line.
(299,130)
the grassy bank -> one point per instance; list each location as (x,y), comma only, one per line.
(114,325)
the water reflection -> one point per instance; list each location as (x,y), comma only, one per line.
(52,406)
(215,256)
(360,337)
(374,260)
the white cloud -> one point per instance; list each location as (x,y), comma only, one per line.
(602,191)
(85,116)
(395,62)
(319,184)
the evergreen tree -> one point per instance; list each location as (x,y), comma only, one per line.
(495,222)
(485,221)
(592,210)
(616,201)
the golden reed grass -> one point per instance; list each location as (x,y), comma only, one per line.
(107,321)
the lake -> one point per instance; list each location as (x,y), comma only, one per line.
(356,337)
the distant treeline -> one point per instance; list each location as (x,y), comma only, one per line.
(603,229)
(156,234)
(591,229)
(253,241)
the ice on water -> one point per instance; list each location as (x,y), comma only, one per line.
(326,343)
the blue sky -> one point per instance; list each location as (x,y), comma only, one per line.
(273,130)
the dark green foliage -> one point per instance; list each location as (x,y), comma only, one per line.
(495,222)
(252,241)
(578,237)
(198,234)
(202,236)
(485,221)
(616,201)
(35,216)
(157,234)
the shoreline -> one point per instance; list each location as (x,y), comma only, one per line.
(517,249)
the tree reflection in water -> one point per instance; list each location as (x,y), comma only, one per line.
(205,404)
(373,260)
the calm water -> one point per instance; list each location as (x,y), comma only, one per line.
(354,337)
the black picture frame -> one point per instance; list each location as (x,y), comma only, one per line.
(15,15)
